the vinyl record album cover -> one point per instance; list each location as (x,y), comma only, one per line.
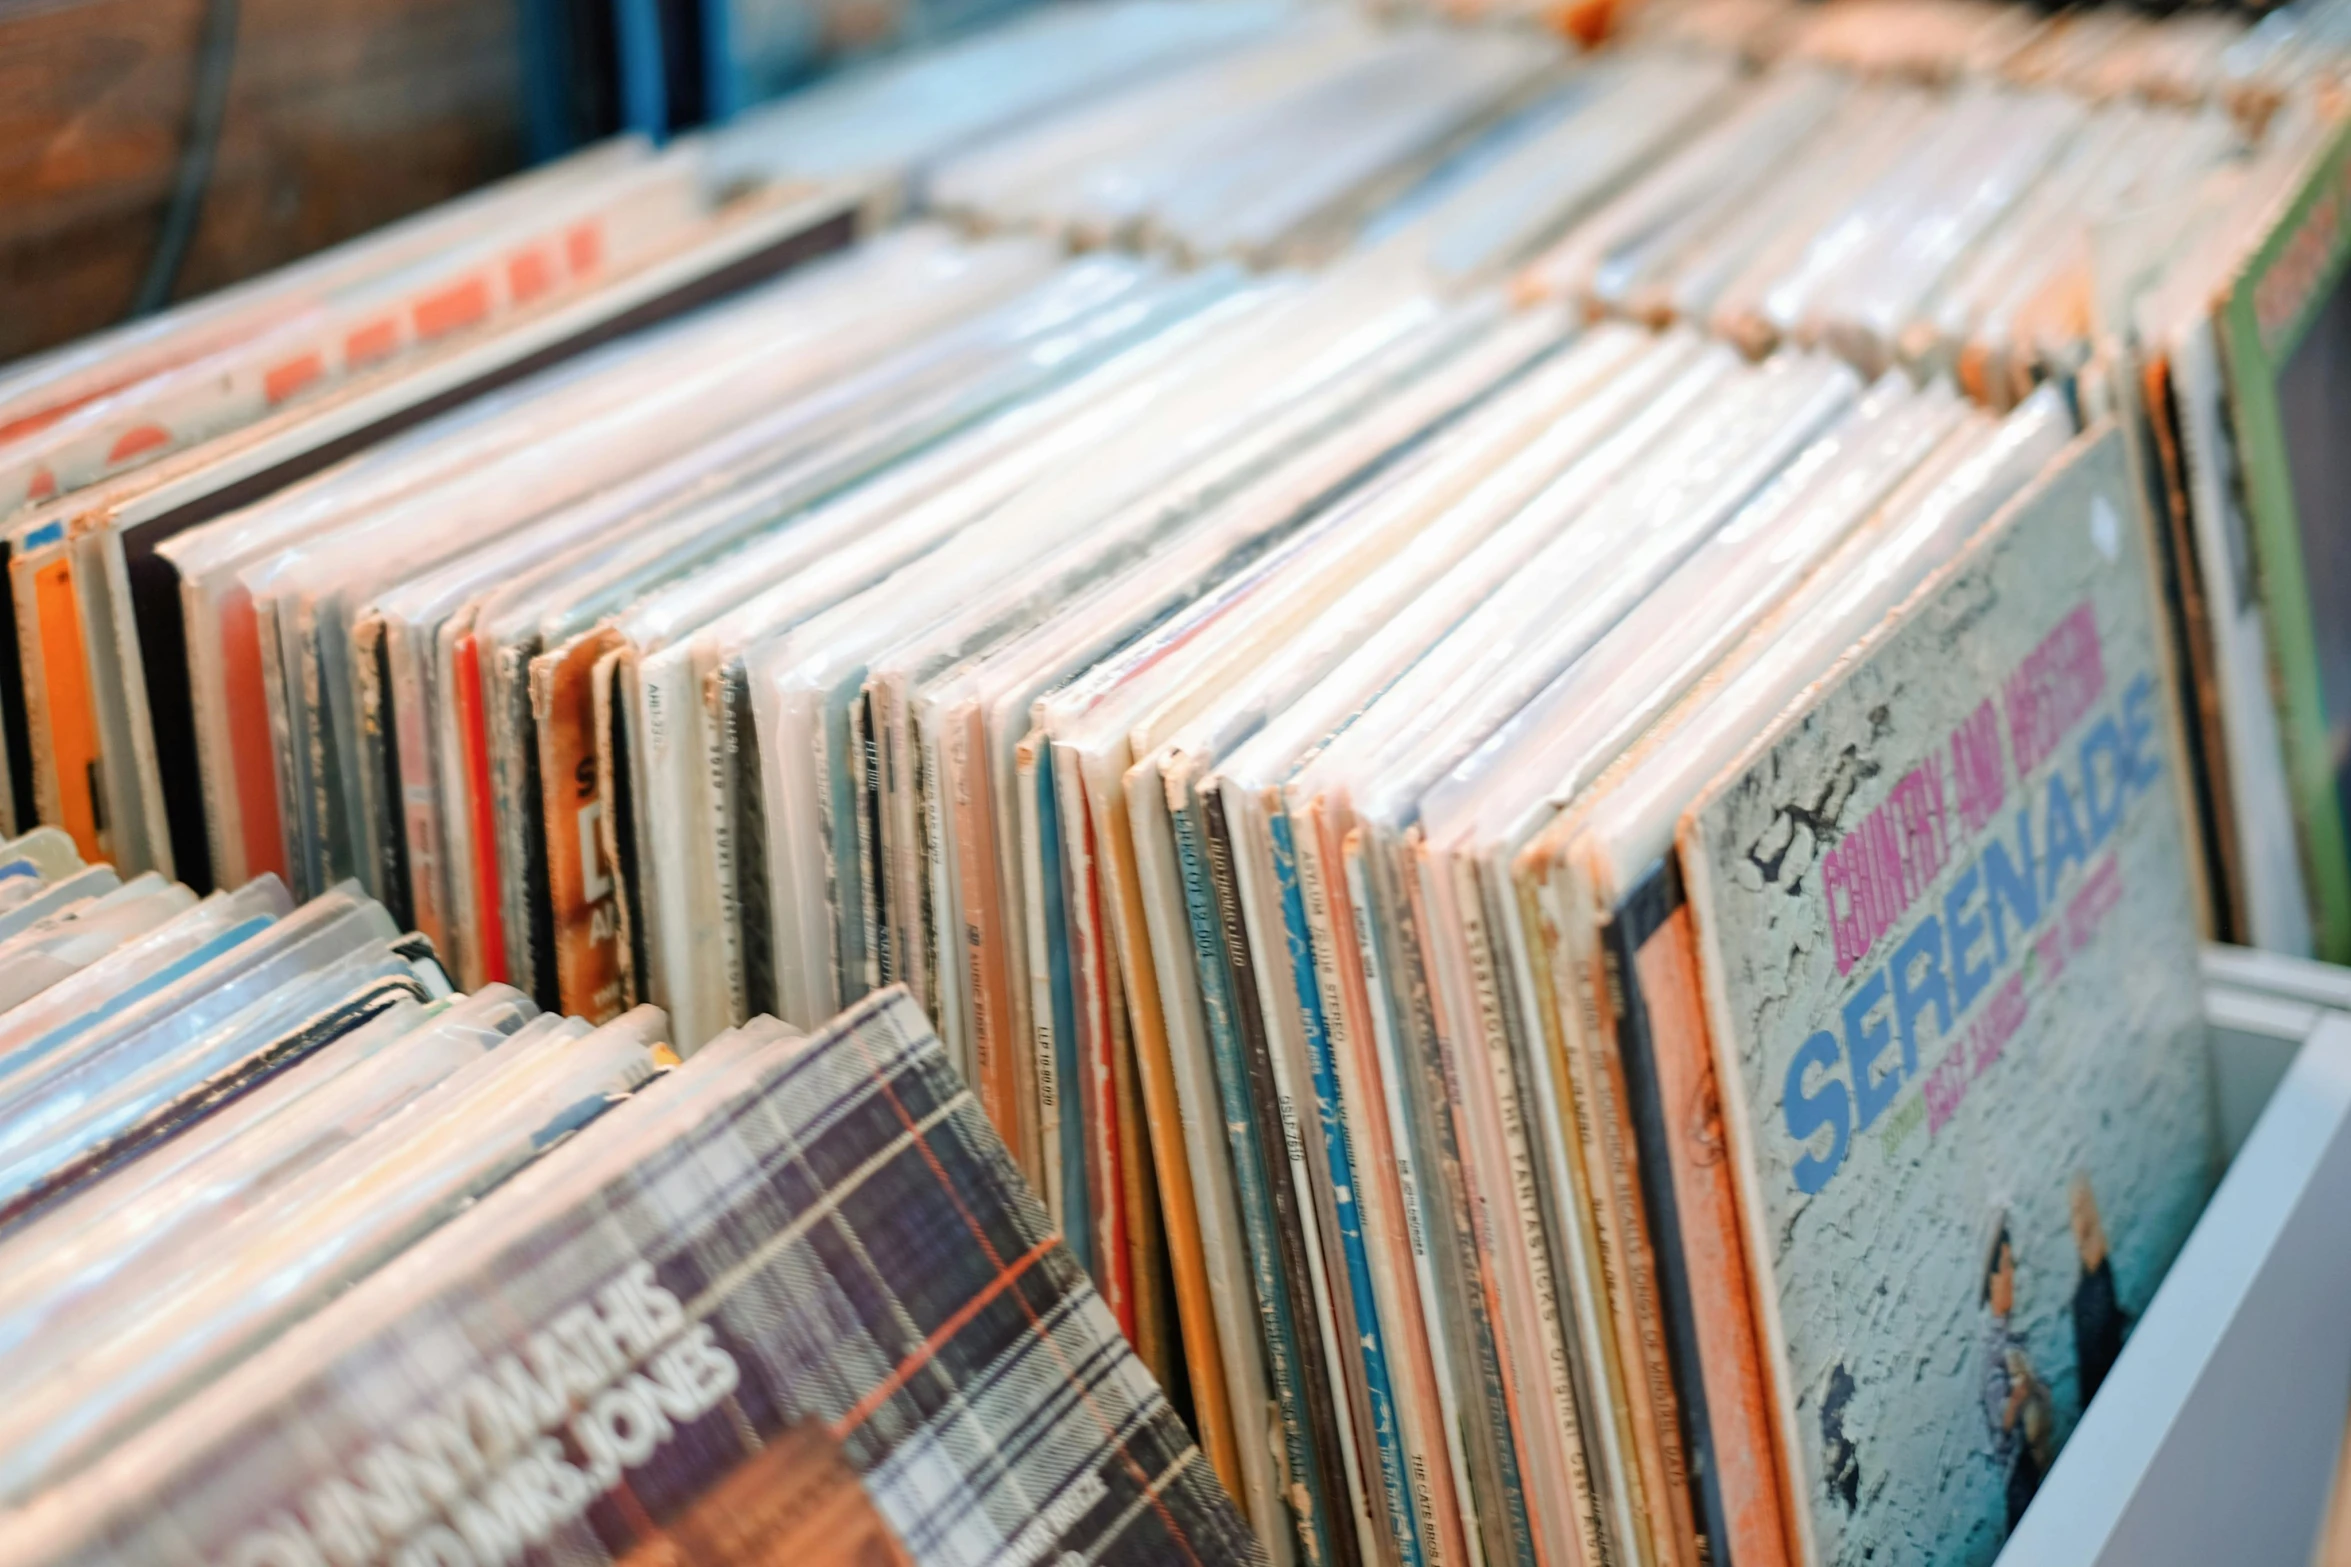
(795,1304)
(2286,341)
(1948,950)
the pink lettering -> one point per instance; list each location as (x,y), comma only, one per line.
(1976,765)
(2050,944)
(1881,867)
(2003,1016)
(2056,685)
(2091,903)
(1946,1085)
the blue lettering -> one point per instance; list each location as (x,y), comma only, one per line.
(1966,930)
(2138,733)
(2006,889)
(1808,1112)
(2105,740)
(1865,1041)
(2062,839)
(1911,995)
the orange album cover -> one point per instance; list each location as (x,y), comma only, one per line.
(580,887)
(65,721)
(249,738)
(1730,1361)
(489,910)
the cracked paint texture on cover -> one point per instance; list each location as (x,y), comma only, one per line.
(1951,949)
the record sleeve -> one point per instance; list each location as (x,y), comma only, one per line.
(2269,887)
(61,733)
(560,242)
(1068,324)
(2281,334)
(2030,658)
(1303,190)
(855,424)
(1239,796)
(142,609)
(1350,801)
(809,679)
(656,402)
(1012,452)
(1151,681)
(886,129)
(1210,518)
(58,897)
(1613,949)
(1352,587)
(1471,823)
(1604,258)
(1738,285)
(816,905)
(1089,747)
(190,933)
(155,1102)
(1132,571)
(283,1259)
(824,1419)
(698,954)
(71,1090)
(1098,746)
(52,948)
(246,1150)
(43,388)
(45,852)
(1030,177)
(1555,163)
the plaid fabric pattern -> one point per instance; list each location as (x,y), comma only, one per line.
(841,1223)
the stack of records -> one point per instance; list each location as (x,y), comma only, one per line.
(1570,848)
(2241,60)
(2298,49)
(1273,152)
(2234,350)
(112,446)
(239,1106)
(2091,200)
(1186,686)
(1947,231)
(309,1258)
(887,126)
